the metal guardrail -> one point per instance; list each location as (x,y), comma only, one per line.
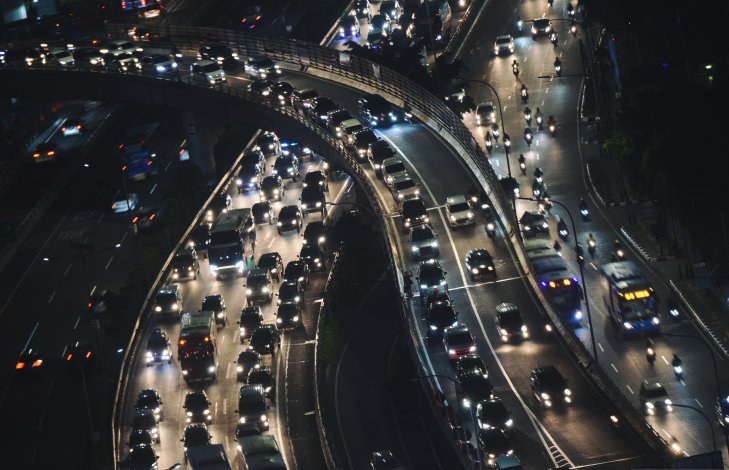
(456,40)
(332,33)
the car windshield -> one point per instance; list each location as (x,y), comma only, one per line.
(270,183)
(262,336)
(308,94)
(143,421)
(287,310)
(284,161)
(247,356)
(495,442)
(288,213)
(395,168)
(479,257)
(146,401)
(656,392)
(259,209)
(541,23)
(257,281)
(461,337)
(460,207)
(211,303)
(510,318)
(288,291)
(551,378)
(494,411)
(184,259)
(160,59)
(247,407)
(294,270)
(503,40)
(196,436)
(157,342)
(166,298)
(420,234)
(196,401)
(224,238)
(442,315)
(263,62)
(267,261)
(250,318)
(309,252)
(404,184)
(208,68)
(143,455)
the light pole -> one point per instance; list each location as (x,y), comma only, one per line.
(582,273)
(663,404)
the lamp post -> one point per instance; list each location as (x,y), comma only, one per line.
(582,273)
(663,404)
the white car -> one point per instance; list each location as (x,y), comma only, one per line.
(161,63)
(459,211)
(393,168)
(403,186)
(485,113)
(209,71)
(119,47)
(125,203)
(423,242)
(504,45)
(262,67)
(60,56)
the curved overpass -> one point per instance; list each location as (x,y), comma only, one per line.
(427,154)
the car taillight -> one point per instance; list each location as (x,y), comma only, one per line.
(149,163)
(38,363)
(51,153)
(88,354)
(63,128)
(151,217)
(36,155)
(135,219)
(69,357)
(124,168)
(19,365)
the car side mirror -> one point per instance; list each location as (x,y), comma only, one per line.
(182,440)
(235,411)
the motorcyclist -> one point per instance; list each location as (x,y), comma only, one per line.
(570,10)
(650,353)
(489,143)
(540,118)
(522,163)
(562,228)
(583,205)
(553,38)
(558,66)
(676,362)
(580,254)
(591,242)
(552,124)
(538,174)
(528,136)
(519,23)
(495,131)
(515,68)
(557,247)
(524,93)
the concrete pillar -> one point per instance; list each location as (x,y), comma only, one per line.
(200,142)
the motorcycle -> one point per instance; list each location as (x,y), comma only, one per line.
(580,255)
(539,174)
(673,311)
(618,253)
(584,212)
(592,247)
(678,371)
(558,68)
(553,39)
(489,142)
(515,70)
(538,190)
(524,95)
(528,116)
(522,165)
(495,132)
(540,122)
(545,205)
(552,126)
(528,136)
(650,355)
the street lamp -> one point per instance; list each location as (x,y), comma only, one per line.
(663,404)
(582,273)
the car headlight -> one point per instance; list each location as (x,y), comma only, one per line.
(433,327)
(220,314)
(415,249)
(496,50)
(279,224)
(472,348)
(158,308)
(213,268)
(649,405)
(242,331)
(265,290)
(249,291)
(451,351)
(160,68)
(297,298)
(466,403)
(534,30)
(184,372)
(189,413)
(474,270)
(509,423)
(470,215)
(279,320)
(655,320)
(149,355)
(627,325)
(423,286)
(453,218)
(503,332)
(263,418)
(567,392)
(434,245)
(295,318)
(524,328)
(545,396)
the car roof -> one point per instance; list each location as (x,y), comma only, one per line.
(391,161)
(256,272)
(205,62)
(286,209)
(457,199)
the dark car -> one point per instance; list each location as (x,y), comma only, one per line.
(314,257)
(273,263)
(45,151)
(297,271)
(263,376)
(72,127)
(255,157)
(289,218)
(272,188)
(384,460)
(491,413)
(247,360)
(197,407)
(80,353)
(480,263)
(144,420)
(349,27)
(185,265)
(391,8)
(290,293)
(377,152)
(413,212)
(313,200)
(287,167)
(541,27)
(149,399)
(199,237)
(262,213)
(249,178)
(281,92)
(316,179)
(144,217)
(250,318)
(269,143)
(216,304)
(431,276)
(377,111)
(30,363)
(261,87)
(493,443)
(265,339)
(470,361)
(473,387)
(509,322)
(362,9)
(362,140)
(534,224)
(303,98)
(223,55)
(262,67)
(549,386)
(140,436)
(158,348)
(195,434)
(259,287)
(722,410)
(441,315)
(141,457)
(335,118)
(458,342)
(220,203)
(252,406)
(320,107)
(288,316)
(315,233)
(89,56)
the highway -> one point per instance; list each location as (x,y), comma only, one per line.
(561,160)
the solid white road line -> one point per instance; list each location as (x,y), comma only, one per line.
(30,337)
(78,319)
(52,296)
(108,263)
(67,270)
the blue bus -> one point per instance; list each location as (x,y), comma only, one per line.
(630,298)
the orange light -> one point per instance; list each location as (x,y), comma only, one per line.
(51,153)
(552,284)
(63,128)
(244,20)
(88,354)
(567,282)
(69,357)
(78,126)
(38,363)
(36,155)
(151,217)
(124,168)
(91,304)
(19,365)
(258,17)
(182,342)
(207,339)
(135,219)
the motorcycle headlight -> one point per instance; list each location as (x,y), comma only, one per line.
(433,327)
(239,369)
(509,423)
(545,396)
(567,392)
(189,413)
(158,308)
(655,320)
(211,369)
(249,291)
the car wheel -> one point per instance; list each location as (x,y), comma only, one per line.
(279,231)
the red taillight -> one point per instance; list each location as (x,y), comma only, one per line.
(244,20)
(151,217)
(36,155)
(121,146)
(63,128)
(78,127)
(19,365)
(135,219)
(181,151)
(51,153)
(88,354)
(124,168)
(38,363)
(69,357)
(149,162)
(91,304)
(258,17)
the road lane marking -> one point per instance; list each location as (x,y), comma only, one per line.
(108,263)
(168,165)
(93,289)
(123,237)
(309,413)
(78,319)
(601,348)
(50,389)
(497,281)
(153,188)
(664,359)
(100,217)
(63,353)
(614,368)
(67,270)
(52,296)
(229,370)
(698,402)
(225,406)
(30,337)
(630,389)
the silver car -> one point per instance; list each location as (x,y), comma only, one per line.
(504,45)
(209,71)
(403,186)
(424,242)
(459,211)
(392,168)
(485,113)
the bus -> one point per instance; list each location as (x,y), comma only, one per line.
(138,161)
(229,238)
(557,281)
(143,8)
(630,298)
(196,348)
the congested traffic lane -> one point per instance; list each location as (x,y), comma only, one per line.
(223,392)
(623,358)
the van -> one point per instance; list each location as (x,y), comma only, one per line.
(168,301)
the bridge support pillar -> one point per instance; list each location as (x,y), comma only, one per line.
(200,141)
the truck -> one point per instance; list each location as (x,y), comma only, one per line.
(138,161)
(196,348)
(208,457)
(229,239)
(260,452)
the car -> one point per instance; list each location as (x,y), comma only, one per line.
(220,54)
(349,27)
(185,265)
(349,127)
(413,212)
(493,443)
(215,303)
(313,199)
(509,323)
(652,392)
(288,315)
(403,187)
(160,63)
(377,111)
(144,420)
(470,361)
(504,45)
(208,72)
(261,87)
(250,178)
(140,436)
(254,157)
(263,376)
(247,359)
(30,362)
(98,302)
(125,203)
(377,152)
(265,339)
(197,407)
(431,275)
(362,140)
(380,25)
(384,460)
(199,237)
(251,14)
(722,410)
(485,113)
(281,92)
(262,213)
(141,457)
(73,127)
(252,406)
(315,233)
(459,212)
(251,318)
(549,386)
(195,434)
(534,224)
(335,119)
(362,9)
(317,179)
(272,188)
(491,413)
(480,263)
(303,98)
(457,341)
(440,315)
(314,257)
(158,348)
(391,8)
(541,27)
(123,62)
(149,399)
(80,353)
(319,109)
(297,271)
(221,202)
(45,152)
(423,242)
(259,286)
(144,217)
(273,263)
(269,143)
(289,218)
(473,387)
(287,167)
(392,168)
(91,56)
(120,46)
(260,66)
